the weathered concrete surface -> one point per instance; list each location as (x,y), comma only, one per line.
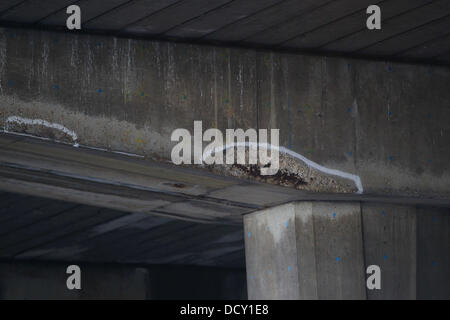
(271,257)
(339,250)
(321,250)
(26,281)
(305,250)
(386,123)
(390,241)
(433,253)
(47,280)
(411,246)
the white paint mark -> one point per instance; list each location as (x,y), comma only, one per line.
(356,179)
(57,126)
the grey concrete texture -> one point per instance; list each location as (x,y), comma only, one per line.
(390,241)
(338,248)
(47,281)
(385,122)
(305,250)
(321,250)
(433,253)
(271,257)
(31,280)
(411,244)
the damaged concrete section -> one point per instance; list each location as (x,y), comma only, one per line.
(41,128)
(292,173)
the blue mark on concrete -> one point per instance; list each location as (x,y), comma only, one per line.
(349,109)
(350,154)
(56,87)
(338,259)
(10,83)
(434,263)
(251,277)
(287,224)
(385,257)
(383,213)
(389,68)
(429,116)
(267,228)
(100,90)
(289,268)
(390,158)
(390,113)
(334,214)
(249,234)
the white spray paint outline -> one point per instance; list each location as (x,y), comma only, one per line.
(44,123)
(356,179)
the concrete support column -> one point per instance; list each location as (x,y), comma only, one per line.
(321,250)
(305,250)
(411,245)
(433,253)
(390,242)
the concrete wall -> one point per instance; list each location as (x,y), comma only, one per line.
(47,280)
(387,123)
(305,250)
(321,250)
(433,267)
(411,245)
(390,241)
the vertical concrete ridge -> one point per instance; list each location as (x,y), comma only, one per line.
(305,248)
(390,238)
(364,245)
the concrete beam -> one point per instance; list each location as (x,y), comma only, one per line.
(116,181)
(385,123)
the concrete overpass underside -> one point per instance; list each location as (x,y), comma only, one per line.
(86,175)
